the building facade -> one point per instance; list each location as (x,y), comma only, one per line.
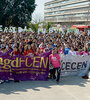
(67,12)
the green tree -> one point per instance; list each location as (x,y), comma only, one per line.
(16,12)
(48,25)
(34,26)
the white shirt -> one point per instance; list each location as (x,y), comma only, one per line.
(72,52)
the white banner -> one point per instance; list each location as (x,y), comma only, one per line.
(75,65)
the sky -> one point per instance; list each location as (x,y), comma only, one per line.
(39,11)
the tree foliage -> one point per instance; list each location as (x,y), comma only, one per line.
(48,25)
(44,25)
(16,12)
(34,26)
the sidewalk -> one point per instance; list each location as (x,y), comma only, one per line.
(70,88)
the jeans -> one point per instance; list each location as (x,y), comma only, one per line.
(58,73)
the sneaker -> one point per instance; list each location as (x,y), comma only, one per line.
(57,81)
(85,77)
(16,81)
(7,81)
(2,81)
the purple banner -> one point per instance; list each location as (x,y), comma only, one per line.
(24,68)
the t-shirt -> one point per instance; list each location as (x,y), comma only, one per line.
(79,53)
(60,51)
(53,45)
(25,52)
(15,52)
(72,52)
(30,52)
(85,53)
(42,50)
(66,50)
(55,60)
(3,54)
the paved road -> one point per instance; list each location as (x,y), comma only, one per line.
(70,88)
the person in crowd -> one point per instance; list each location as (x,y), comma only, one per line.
(85,52)
(42,48)
(20,51)
(38,51)
(67,49)
(55,61)
(49,47)
(30,51)
(4,51)
(25,50)
(60,49)
(79,52)
(15,51)
(72,52)
(33,44)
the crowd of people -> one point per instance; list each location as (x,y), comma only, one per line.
(32,44)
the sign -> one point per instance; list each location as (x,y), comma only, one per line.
(75,65)
(24,68)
